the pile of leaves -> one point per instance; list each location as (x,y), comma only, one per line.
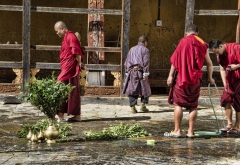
(62,128)
(120,131)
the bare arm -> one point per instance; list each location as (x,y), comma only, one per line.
(78,58)
(223,75)
(170,76)
(209,68)
(234,66)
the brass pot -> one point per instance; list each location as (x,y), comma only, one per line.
(34,138)
(29,135)
(40,135)
(51,133)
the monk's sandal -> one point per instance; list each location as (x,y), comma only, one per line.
(144,108)
(134,110)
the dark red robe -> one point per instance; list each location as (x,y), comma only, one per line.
(188,60)
(70,72)
(231,56)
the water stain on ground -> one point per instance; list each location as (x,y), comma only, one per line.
(166,150)
(223,149)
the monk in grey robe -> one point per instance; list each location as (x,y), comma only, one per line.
(137,71)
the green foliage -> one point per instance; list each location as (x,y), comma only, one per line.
(120,131)
(47,95)
(62,128)
(24,131)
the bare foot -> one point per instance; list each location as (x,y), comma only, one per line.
(59,115)
(76,118)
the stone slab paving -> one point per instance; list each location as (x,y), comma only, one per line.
(100,112)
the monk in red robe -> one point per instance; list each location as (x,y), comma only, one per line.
(185,77)
(228,56)
(70,62)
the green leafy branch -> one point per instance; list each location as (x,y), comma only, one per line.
(120,131)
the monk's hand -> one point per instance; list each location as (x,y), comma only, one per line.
(145,77)
(82,65)
(234,66)
(169,81)
(211,80)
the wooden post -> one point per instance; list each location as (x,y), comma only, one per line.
(238,25)
(26,42)
(125,35)
(189,13)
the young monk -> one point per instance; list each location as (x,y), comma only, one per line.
(228,56)
(187,62)
(70,62)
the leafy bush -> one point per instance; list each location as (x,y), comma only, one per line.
(47,94)
(120,131)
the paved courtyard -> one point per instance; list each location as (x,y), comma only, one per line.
(102,112)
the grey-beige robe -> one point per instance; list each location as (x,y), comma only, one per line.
(134,83)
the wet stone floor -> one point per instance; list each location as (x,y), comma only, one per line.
(222,149)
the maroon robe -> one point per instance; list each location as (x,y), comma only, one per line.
(134,84)
(232,93)
(188,60)
(70,72)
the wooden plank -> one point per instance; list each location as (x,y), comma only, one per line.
(100,67)
(8,64)
(86,48)
(26,42)
(217,12)
(125,34)
(57,48)
(88,66)
(102,49)
(63,10)
(11,8)
(42,65)
(108,67)
(215,68)
(189,13)
(77,10)
(238,25)
(11,46)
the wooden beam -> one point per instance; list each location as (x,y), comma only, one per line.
(125,34)
(11,46)
(189,13)
(85,48)
(102,49)
(57,48)
(100,67)
(8,64)
(217,12)
(77,10)
(238,25)
(42,65)
(63,10)
(26,42)
(56,66)
(11,8)
(215,69)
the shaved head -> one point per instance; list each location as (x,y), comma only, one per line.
(60,24)
(60,28)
